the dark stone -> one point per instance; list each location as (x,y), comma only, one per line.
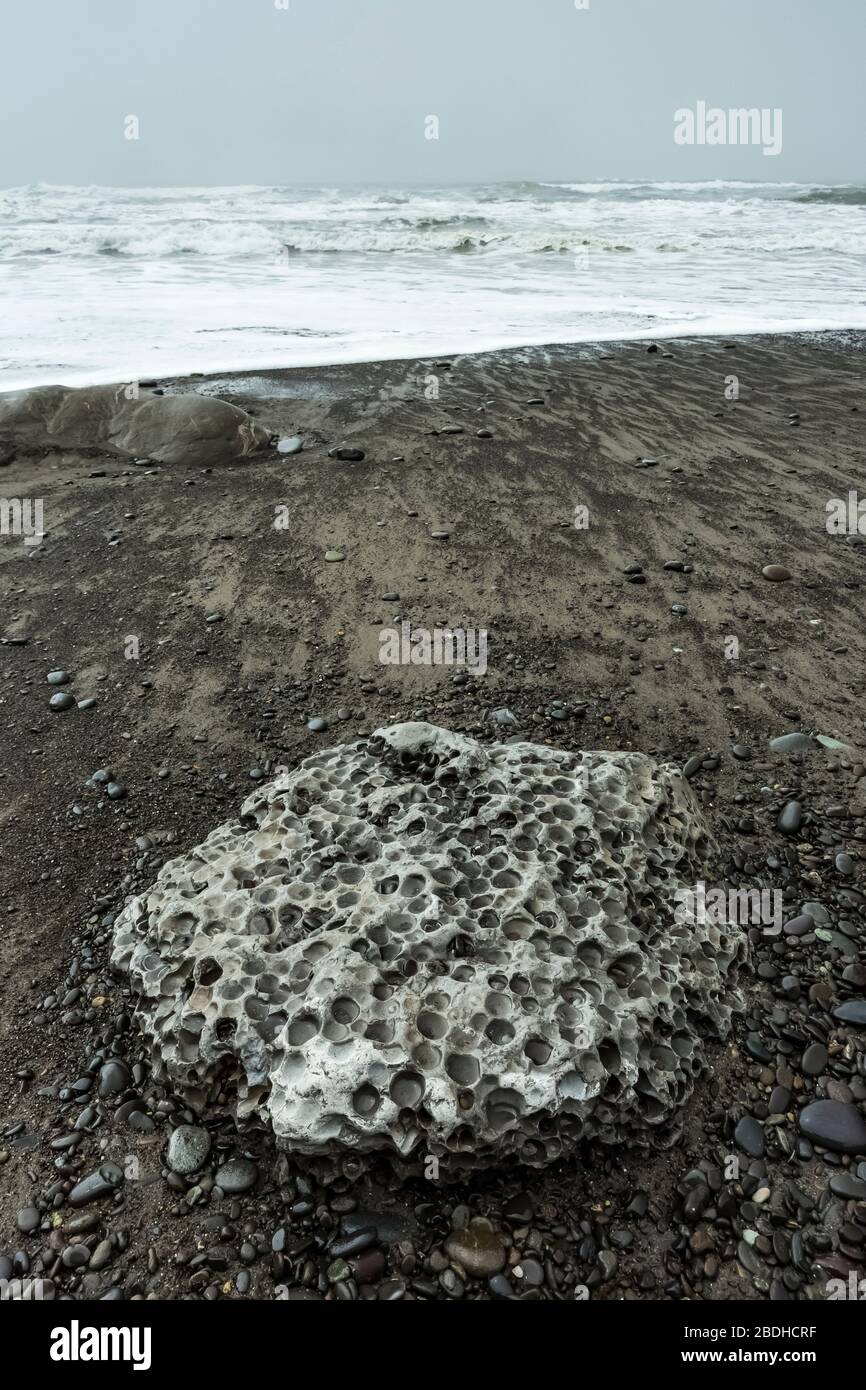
(791,818)
(96,1185)
(780,1101)
(238,1175)
(696,1201)
(850,1188)
(750,1137)
(28,1220)
(815,1059)
(799,926)
(346,455)
(834,1125)
(113,1078)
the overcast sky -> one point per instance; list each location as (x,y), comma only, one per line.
(336,91)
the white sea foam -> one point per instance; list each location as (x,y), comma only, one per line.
(100,284)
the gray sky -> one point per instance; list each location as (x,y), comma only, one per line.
(335,91)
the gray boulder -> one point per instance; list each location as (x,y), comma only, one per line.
(191,429)
(421,943)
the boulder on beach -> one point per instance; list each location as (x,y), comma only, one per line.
(188,429)
(422,944)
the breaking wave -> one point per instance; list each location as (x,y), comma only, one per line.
(525,219)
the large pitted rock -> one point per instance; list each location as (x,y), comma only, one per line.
(419,943)
(168,429)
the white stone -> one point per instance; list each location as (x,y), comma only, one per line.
(292,444)
(422,943)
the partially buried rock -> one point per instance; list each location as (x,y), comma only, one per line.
(834,744)
(190,428)
(791,743)
(777,574)
(346,455)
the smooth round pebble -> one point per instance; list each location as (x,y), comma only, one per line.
(834,1125)
(292,444)
(27,1220)
(478,1248)
(238,1175)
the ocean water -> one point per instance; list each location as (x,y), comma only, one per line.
(102,284)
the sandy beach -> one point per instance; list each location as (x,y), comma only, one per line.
(605,514)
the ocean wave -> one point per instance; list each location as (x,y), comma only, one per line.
(851,196)
(264,244)
(250,224)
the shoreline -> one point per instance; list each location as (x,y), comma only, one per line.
(589,346)
(582,349)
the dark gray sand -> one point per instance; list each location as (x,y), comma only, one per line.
(244,632)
